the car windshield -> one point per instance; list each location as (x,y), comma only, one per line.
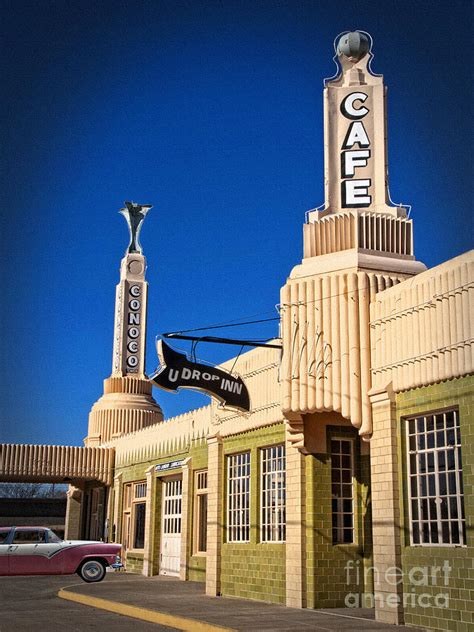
(52,537)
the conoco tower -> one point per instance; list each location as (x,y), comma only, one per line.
(127,404)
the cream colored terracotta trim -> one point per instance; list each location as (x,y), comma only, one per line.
(326,340)
(55,462)
(215,474)
(295,529)
(186,517)
(385,496)
(150,518)
(116,518)
(421,331)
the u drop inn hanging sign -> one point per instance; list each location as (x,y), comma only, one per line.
(176,371)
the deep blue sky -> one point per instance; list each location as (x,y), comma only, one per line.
(212,112)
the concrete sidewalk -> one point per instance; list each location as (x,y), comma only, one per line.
(184,606)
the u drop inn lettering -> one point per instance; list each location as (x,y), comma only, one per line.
(355,152)
(177,371)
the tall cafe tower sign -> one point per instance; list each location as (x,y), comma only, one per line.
(355,133)
(359,222)
(359,244)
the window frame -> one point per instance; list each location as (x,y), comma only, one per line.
(171,505)
(199,492)
(230,508)
(265,506)
(458,470)
(29,530)
(351,440)
(129,513)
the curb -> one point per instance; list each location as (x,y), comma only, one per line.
(135,612)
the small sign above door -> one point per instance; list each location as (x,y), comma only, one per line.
(170,465)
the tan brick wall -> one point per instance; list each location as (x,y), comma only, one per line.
(295,527)
(73,514)
(149,521)
(186,514)
(214,515)
(386,509)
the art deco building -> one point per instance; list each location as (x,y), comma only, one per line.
(354,468)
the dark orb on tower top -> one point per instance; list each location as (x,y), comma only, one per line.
(354,45)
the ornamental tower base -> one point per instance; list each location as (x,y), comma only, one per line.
(126,406)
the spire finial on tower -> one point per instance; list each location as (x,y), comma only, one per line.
(354,45)
(135,214)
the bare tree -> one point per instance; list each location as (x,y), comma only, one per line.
(32,490)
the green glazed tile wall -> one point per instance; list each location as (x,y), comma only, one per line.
(459,615)
(197,568)
(253,570)
(134,560)
(335,571)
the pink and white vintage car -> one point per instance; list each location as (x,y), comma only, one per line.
(39,551)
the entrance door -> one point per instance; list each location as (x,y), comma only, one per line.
(171,527)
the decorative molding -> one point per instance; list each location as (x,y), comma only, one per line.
(421,332)
(363,231)
(295,431)
(55,463)
(326,342)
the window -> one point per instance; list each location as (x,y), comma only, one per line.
(96,513)
(172,501)
(53,537)
(134,511)
(342,471)
(29,536)
(273,494)
(435,479)
(139,526)
(200,530)
(238,497)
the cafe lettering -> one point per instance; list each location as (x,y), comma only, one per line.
(355,191)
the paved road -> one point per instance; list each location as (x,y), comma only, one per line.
(30,604)
(188,599)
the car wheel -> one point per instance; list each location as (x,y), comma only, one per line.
(92,571)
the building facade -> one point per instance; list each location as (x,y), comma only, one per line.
(349,482)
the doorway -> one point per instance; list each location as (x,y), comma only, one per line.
(171,526)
